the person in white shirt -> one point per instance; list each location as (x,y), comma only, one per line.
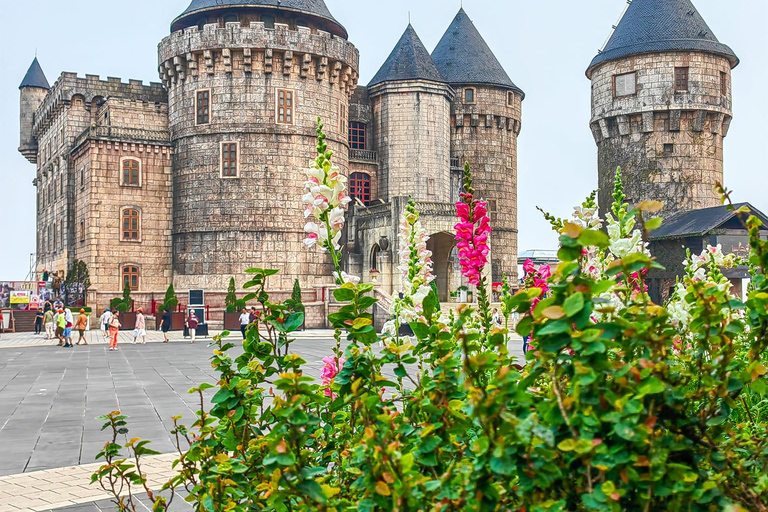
(70,324)
(104,321)
(245,320)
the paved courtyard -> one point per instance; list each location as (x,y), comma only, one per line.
(50,397)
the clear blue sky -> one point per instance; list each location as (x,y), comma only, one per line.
(545,47)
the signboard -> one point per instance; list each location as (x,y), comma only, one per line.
(20,296)
(17,293)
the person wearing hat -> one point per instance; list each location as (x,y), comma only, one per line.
(81,325)
(104,321)
(141,327)
(114,330)
(61,325)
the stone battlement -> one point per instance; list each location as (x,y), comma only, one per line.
(212,50)
(673,120)
(90,88)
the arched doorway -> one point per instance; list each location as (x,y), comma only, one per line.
(441,245)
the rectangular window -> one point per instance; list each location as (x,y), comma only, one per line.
(131,172)
(343,117)
(229,160)
(131,277)
(203,106)
(360,187)
(681,79)
(82,231)
(284,106)
(510,99)
(669,149)
(131,224)
(469,95)
(357,135)
(82,177)
(724,83)
(624,85)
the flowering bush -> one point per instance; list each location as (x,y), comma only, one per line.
(605,416)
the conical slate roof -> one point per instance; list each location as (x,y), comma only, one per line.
(658,26)
(409,60)
(463,56)
(313,7)
(35,77)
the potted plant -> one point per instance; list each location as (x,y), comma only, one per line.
(124,305)
(233,308)
(462,292)
(374,273)
(171,303)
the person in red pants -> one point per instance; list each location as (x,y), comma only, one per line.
(114,330)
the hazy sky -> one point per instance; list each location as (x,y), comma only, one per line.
(544,45)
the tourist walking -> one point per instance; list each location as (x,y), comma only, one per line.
(114,330)
(245,320)
(165,324)
(70,324)
(104,321)
(192,323)
(39,321)
(48,321)
(81,325)
(141,328)
(61,324)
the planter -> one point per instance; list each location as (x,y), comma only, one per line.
(177,321)
(232,322)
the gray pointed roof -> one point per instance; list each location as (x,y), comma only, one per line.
(700,222)
(315,8)
(35,77)
(409,60)
(659,26)
(463,56)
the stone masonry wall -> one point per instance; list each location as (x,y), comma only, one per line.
(411,123)
(222,226)
(669,144)
(484,133)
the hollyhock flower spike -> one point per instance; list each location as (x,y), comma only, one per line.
(326,199)
(415,266)
(472,232)
(331,368)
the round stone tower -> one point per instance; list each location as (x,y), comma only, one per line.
(411,107)
(33,89)
(661,106)
(246,83)
(485,122)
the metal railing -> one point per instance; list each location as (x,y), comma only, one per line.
(363,155)
(123,134)
(455,163)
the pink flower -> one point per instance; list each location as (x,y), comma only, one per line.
(330,370)
(472,236)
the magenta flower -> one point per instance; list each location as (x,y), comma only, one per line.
(330,370)
(472,234)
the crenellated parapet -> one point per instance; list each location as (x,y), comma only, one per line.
(256,50)
(90,88)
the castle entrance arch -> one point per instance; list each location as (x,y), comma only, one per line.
(443,265)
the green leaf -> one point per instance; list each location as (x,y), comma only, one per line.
(625,431)
(574,304)
(653,224)
(651,386)
(293,322)
(313,489)
(589,238)
(567,445)
(344,294)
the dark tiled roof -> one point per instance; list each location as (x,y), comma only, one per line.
(313,7)
(35,77)
(700,222)
(409,60)
(658,26)
(463,56)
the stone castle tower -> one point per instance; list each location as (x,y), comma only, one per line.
(661,106)
(34,88)
(246,83)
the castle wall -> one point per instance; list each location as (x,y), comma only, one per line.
(484,133)
(225,225)
(669,144)
(411,123)
(30,99)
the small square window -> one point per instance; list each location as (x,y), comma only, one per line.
(681,79)
(669,149)
(624,85)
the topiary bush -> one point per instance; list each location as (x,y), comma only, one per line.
(623,405)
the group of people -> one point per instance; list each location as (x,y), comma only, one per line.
(246,319)
(59,322)
(110,326)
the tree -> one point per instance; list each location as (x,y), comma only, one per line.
(76,284)
(230,302)
(295,302)
(125,303)
(170,302)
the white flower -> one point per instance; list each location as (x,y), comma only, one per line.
(347,278)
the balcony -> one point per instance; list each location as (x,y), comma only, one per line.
(455,165)
(363,155)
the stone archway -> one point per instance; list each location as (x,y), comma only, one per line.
(442,245)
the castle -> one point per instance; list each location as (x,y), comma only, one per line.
(193,180)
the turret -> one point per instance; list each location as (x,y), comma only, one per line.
(247,81)
(486,117)
(411,105)
(33,89)
(661,106)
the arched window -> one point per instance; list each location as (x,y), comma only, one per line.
(131,172)
(469,95)
(131,276)
(356,135)
(131,224)
(360,187)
